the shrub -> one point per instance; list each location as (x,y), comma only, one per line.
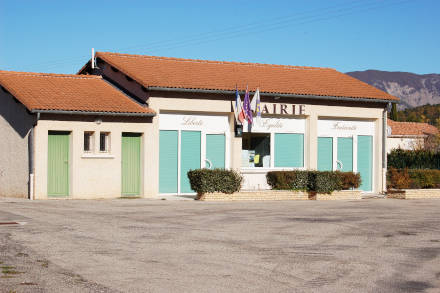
(216,180)
(350,180)
(413,159)
(318,181)
(424,178)
(324,181)
(287,180)
(397,178)
(412,178)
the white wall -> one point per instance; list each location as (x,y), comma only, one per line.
(404,143)
(92,176)
(185,104)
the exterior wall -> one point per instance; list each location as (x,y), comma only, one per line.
(93,175)
(280,195)
(185,103)
(15,126)
(100,176)
(415,194)
(404,143)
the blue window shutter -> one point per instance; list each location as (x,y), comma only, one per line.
(168,164)
(325,153)
(365,161)
(289,150)
(345,153)
(190,151)
(215,150)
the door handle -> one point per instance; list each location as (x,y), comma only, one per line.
(339,164)
(209,162)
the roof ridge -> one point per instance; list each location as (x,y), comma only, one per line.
(410,122)
(215,61)
(24,73)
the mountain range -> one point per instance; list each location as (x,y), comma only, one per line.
(413,89)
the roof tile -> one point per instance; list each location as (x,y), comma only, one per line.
(411,128)
(67,92)
(151,71)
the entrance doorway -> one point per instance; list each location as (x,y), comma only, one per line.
(131,164)
(58,163)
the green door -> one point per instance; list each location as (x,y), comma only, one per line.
(131,164)
(58,163)
(289,150)
(345,154)
(365,161)
(190,151)
(325,153)
(215,151)
(168,161)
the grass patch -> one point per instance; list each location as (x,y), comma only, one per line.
(22,254)
(9,270)
(44,263)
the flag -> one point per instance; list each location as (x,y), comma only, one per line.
(240,114)
(247,106)
(256,104)
(237,105)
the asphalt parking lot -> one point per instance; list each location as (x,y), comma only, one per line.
(123,245)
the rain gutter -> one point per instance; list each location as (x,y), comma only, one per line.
(227,92)
(94,113)
(31,146)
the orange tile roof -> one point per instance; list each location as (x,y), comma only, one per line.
(411,128)
(67,92)
(153,71)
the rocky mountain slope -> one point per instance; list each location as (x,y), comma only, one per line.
(413,89)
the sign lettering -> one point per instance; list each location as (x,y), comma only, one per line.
(340,126)
(191,121)
(283,109)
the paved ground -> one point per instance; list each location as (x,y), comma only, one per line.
(376,245)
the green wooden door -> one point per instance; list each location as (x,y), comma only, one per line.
(131,164)
(289,150)
(58,163)
(190,151)
(345,154)
(215,151)
(365,161)
(325,153)
(168,161)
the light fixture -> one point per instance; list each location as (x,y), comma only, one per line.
(238,130)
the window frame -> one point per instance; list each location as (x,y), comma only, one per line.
(106,142)
(91,141)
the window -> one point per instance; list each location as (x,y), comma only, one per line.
(104,142)
(88,141)
(289,150)
(255,150)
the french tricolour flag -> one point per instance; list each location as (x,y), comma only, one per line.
(238,109)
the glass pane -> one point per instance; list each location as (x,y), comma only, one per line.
(255,150)
(102,142)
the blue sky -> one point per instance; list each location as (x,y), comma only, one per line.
(349,35)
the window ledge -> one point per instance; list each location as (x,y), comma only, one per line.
(97,156)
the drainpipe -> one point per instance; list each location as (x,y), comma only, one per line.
(31,142)
(384,149)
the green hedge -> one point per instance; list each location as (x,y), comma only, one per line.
(413,159)
(412,178)
(318,181)
(215,180)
